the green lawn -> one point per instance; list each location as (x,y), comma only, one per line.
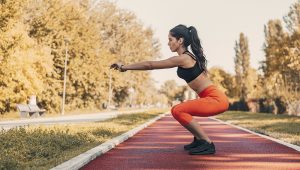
(15,115)
(47,146)
(283,127)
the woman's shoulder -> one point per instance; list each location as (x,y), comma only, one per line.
(188,54)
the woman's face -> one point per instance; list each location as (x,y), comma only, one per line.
(173,43)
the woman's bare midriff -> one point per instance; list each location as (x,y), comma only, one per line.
(200,83)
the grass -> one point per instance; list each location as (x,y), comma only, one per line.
(283,127)
(44,147)
(15,115)
(10,116)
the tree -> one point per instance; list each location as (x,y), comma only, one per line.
(223,80)
(126,38)
(281,66)
(292,21)
(172,91)
(96,37)
(242,66)
(25,64)
(279,70)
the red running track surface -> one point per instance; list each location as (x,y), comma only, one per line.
(160,146)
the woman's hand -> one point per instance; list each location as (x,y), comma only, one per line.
(118,66)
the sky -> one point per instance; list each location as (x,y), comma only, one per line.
(219,23)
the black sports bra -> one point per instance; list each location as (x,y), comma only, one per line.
(189,74)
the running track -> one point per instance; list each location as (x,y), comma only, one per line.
(160,146)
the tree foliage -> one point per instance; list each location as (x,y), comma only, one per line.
(281,66)
(223,80)
(242,66)
(173,91)
(38,36)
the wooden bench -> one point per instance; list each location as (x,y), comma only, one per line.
(30,110)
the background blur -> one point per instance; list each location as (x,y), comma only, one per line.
(252,48)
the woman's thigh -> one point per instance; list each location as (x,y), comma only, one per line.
(203,107)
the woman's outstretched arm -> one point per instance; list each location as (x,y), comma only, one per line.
(150,65)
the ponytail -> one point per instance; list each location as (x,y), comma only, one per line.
(197,48)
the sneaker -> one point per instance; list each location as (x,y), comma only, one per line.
(204,149)
(194,144)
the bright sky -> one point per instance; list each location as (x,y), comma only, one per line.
(219,23)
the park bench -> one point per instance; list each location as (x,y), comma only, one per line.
(30,110)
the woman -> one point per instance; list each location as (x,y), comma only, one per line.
(191,68)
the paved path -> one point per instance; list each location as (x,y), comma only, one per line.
(160,146)
(92,117)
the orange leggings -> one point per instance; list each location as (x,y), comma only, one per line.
(211,102)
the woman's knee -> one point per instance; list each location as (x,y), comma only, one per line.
(182,117)
(175,111)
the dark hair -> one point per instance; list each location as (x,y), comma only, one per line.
(190,37)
